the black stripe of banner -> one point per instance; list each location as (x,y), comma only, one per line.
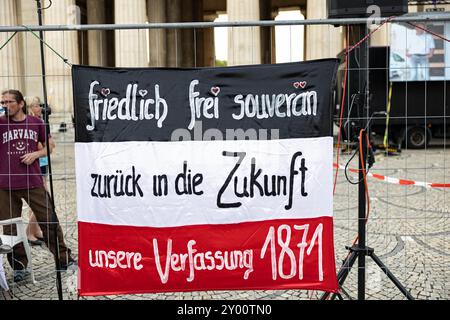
(148,104)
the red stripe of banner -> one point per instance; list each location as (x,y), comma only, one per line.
(276,254)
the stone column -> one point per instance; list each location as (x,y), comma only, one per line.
(187,35)
(131,45)
(30,50)
(265,32)
(174,48)
(244,43)
(59,76)
(97,38)
(157,44)
(209,54)
(198,36)
(322,41)
(10,65)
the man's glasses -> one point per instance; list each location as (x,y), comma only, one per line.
(5,102)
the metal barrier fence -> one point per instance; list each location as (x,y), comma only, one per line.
(408,184)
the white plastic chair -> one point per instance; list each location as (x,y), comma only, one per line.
(20,237)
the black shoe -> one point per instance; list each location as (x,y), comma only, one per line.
(37,242)
(20,275)
(71,266)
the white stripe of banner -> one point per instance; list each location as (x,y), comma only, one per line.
(139,164)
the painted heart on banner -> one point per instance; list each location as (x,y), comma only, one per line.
(215,90)
(105,91)
(301,84)
(143,92)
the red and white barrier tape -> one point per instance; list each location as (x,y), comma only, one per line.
(399,181)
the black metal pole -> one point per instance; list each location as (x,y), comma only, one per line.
(54,220)
(363,87)
(391,276)
(362,222)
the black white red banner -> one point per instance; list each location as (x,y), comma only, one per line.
(205,179)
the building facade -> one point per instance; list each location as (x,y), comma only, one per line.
(147,47)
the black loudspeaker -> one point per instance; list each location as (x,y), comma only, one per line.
(358,8)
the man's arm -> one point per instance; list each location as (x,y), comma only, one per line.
(29,158)
(51,143)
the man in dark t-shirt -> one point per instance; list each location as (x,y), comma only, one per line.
(19,140)
(21,178)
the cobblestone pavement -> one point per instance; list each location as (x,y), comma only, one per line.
(408,227)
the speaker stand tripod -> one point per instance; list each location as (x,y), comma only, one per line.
(360,250)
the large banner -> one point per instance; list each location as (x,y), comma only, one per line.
(205,179)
